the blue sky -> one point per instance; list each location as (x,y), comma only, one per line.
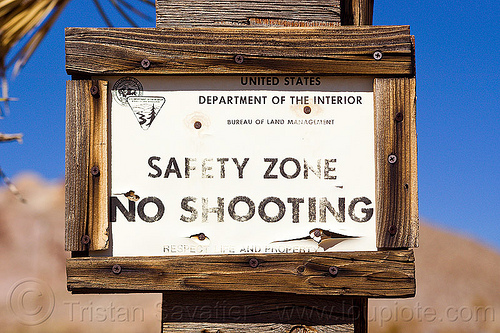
(458,113)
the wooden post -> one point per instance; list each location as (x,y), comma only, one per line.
(357,12)
(267,317)
(231,312)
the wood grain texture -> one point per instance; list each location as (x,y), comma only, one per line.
(254,328)
(363,12)
(397,187)
(365,274)
(192,13)
(78,104)
(326,51)
(98,219)
(356,12)
(360,313)
(240,312)
(86,196)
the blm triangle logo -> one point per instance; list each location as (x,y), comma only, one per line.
(145,108)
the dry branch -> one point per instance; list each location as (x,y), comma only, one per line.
(11,137)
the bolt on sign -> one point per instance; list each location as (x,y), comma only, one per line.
(242,164)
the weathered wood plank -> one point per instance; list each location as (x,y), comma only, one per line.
(191,327)
(335,51)
(78,105)
(360,313)
(366,12)
(356,12)
(363,12)
(238,312)
(365,274)
(396,163)
(86,196)
(192,13)
(98,181)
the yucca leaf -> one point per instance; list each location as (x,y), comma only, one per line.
(102,13)
(25,53)
(28,22)
(135,10)
(123,14)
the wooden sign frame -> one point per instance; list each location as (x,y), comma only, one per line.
(299,40)
(285,51)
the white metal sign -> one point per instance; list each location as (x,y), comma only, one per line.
(241,164)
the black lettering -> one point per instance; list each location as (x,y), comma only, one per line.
(222,162)
(329,169)
(367,211)
(239,218)
(159,205)
(205,168)
(155,167)
(312,209)
(295,208)
(240,167)
(307,167)
(282,168)
(262,209)
(187,166)
(219,210)
(324,204)
(116,203)
(273,161)
(172,168)
(185,206)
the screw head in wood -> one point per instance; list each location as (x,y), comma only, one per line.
(253,263)
(392,159)
(239,59)
(333,270)
(94,91)
(145,63)
(317,233)
(393,230)
(197,124)
(117,269)
(377,55)
(301,269)
(85,239)
(307,109)
(399,117)
(202,237)
(94,171)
